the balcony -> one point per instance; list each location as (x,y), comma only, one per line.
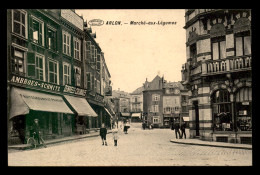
(229,65)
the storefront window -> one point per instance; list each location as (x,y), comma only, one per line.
(244,109)
(222,118)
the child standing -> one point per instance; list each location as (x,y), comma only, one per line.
(115,135)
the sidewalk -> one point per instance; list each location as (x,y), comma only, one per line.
(211,143)
(54,141)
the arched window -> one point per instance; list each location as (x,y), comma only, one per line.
(243,110)
(222,118)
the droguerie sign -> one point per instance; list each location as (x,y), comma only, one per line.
(74,90)
(33,83)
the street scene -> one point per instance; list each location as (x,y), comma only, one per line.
(137,148)
(129,87)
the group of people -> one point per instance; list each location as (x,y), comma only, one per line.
(103,133)
(179,127)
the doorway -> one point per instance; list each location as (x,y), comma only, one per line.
(197,124)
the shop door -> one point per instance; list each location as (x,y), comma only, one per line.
(197,124)
(54,123)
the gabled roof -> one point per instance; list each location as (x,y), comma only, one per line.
(154,84)
(174,85)
(138,91)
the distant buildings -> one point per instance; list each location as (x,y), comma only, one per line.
(163,101)
(218,74)
(136,104)
(123,99)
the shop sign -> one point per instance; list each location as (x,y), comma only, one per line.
(34,83)
(99,98)
(75,90)
(245,103)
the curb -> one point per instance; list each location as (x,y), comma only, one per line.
(25,146)
(222,146)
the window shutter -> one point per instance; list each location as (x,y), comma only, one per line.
(31,64)
(30,28)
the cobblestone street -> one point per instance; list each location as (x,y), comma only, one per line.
(138,148)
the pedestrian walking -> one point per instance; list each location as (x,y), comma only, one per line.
(115,135)
(143,124)
(125,128)
(183,126)
(36,132)
(103,133)
(177,129)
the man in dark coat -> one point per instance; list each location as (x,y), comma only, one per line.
(177,127)
(103,133)
(183,126)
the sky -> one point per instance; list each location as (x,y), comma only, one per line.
(136,52)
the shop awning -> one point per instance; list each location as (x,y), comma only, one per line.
(186,119)
(125,114)
(81,106)
(23,100)
(136,115)
(108,112)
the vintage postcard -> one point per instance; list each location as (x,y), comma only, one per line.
(129,87)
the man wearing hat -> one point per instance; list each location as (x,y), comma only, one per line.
(36,131)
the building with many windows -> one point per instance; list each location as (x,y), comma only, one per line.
(136,104)
(163,101)
(124,107)
(218,74)
(46,74)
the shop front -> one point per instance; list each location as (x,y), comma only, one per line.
(83,113)
(232,115)
(55,117)
(136,117)
(126,116)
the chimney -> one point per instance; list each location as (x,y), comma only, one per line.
(118,89)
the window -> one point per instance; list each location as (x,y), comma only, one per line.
(218,48)
(66,73)
(155,108)
(77,48)
(193,51)
(176,108)
(243,44)
(19,22)
(98,62)
(98,86)
(35,66)
(37,31)
(156,97)
(243,109)
(95,85)
(51,38)
(88,51)
(66,43)
(18,57)
(222,111)
(92,53)
(88,80)
(53,71)
(95,55)
(77,75)
(93,82)
(156,119)
(184,109)
(184,99)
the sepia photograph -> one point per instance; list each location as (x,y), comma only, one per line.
(129,87)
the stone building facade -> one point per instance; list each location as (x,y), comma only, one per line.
(218,74)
